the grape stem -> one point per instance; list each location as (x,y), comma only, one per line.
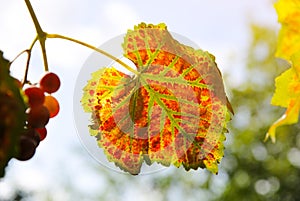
(28,51)
(24,51)
(28,60)
(42,36)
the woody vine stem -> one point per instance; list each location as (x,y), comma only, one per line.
(42,36)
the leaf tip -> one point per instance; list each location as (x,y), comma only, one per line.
(272,136)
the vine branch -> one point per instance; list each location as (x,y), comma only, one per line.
(42,36)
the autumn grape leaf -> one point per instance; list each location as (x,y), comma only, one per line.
(173,111)
(287,84)
(12,114)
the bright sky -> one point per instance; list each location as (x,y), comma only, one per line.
(221,27)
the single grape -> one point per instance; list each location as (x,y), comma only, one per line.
(50,82)
(27,147)
(38,116)
(52,105)
(42,133)
(35,96)
(33,134)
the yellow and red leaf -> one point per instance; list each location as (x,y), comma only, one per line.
(173,111)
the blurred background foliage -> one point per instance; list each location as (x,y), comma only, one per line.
(251,170)
(259,170)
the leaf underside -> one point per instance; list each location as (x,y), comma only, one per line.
(173,111)
(12,114)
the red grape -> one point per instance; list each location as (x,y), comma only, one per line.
(52,105)
(33,134)
(27,147)
(50,82)
(42,133)
(28,142)
(38,116)
(35,96)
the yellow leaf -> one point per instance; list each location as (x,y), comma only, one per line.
(281,96)
(290,117)
(287,94)
(295,58)
(285,85)
(289,36)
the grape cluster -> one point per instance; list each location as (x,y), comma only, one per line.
(41,107)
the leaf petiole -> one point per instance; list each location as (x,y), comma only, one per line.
(42,36)
(94,48)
